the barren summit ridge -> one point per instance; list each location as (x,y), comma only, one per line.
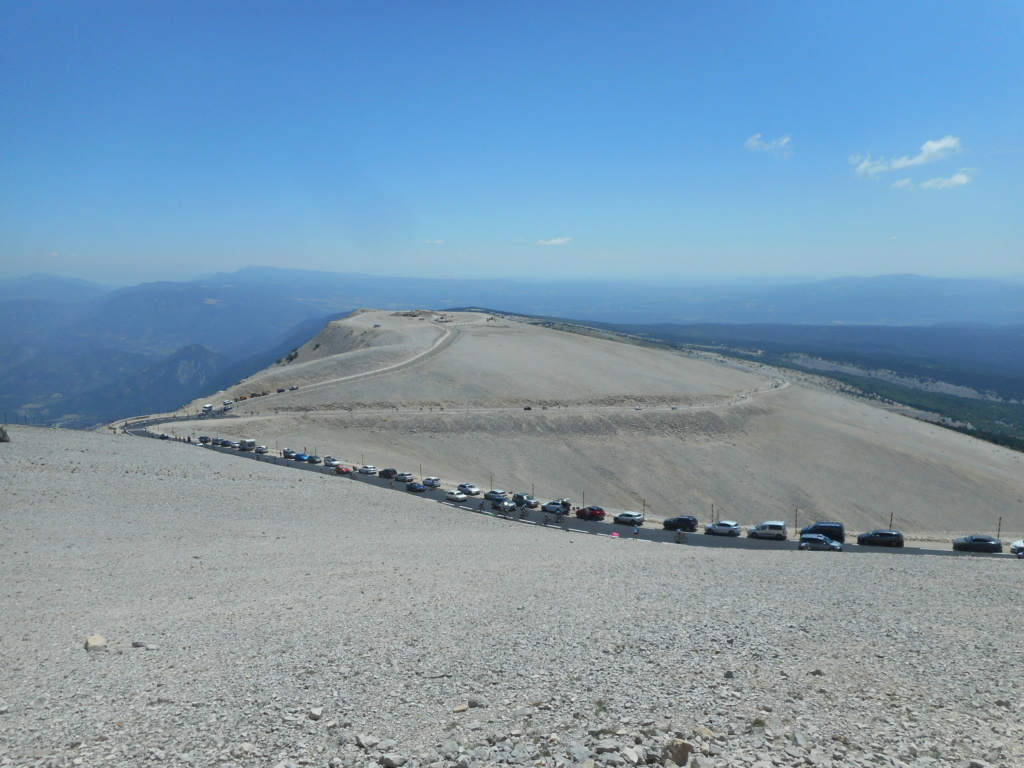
(447,392)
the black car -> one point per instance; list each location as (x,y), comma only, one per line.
(834,531)
(682,523)
(978,544)
(525,500)
(415,487)
(881,538)
(314,459)
(204,439)
(388,474)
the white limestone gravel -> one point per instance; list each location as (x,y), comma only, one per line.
(257,615)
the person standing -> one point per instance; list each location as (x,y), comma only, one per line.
(636,532)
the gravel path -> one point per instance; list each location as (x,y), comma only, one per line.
(286,618)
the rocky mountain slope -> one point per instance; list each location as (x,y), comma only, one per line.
(621,425)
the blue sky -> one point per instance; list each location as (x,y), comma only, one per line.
(538,140)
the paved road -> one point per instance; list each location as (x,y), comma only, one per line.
(536,516)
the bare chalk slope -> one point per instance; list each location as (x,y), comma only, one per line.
(445,395)
(255,615)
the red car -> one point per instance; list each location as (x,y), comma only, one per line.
(590,513)
(340,470)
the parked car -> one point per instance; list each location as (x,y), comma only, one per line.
(293,387)
(303,457)
(469,489)
(686,523)
(314,459)
(558,505)
(834,531)
(330,461)
(978,543)
(819,542)
(369,469)
(288,453)
(404,477)
(525,500)
(880,537)
(503,505)
(432,482)
(495,494)
(723,528)
(340,470)
(1017,547)
(769,529)
(234,443)
(388,474)
(204,439)
(590,513)
(455,496)
(164,436)
(629,518)
(280,390)
(415,487)
(262,449)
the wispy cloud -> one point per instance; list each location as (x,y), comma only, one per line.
(902,184)
(555,241)
(778,147)
(434,242)
(931,151)
(956,180)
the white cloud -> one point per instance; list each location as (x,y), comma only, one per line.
(903,184)
(778,147)
(931,151)
(956,180)
(555,241)
(434,242)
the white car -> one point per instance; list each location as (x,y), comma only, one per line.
(1017,547)
(557,505)
(330,461)
(469,489)
(723,528)
(432,482)
(455,496)
(629,518)
(369,469)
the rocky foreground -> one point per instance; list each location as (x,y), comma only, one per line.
(244,614)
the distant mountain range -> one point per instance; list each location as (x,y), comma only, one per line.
(82,353)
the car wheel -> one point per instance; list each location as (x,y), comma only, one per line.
(780,537)
(735,533)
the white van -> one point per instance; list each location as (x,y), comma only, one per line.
(769,529)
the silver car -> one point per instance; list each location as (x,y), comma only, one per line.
(629,518)
(724,528)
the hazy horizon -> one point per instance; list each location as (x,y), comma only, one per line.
(680,280)
(737,142)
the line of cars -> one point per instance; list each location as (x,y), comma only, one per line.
(821,536)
